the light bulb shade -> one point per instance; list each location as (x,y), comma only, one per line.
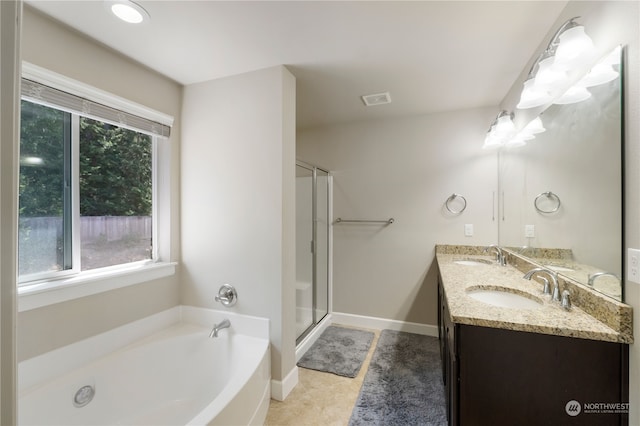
(601,73)
(575,46)
(504,126)
(491,141)
(574,95)
(549,77)
(534,127)
(532,97)
(502,129)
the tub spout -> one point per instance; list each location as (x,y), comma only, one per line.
(217,327)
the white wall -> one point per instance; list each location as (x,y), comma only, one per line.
(50,45)
(610,23)
(405,169)
(238,200)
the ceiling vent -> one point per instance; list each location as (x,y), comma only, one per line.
(377,99)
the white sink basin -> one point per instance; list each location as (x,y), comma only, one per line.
(504,299)
(472,262)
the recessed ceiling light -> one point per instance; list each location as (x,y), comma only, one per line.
(128,11)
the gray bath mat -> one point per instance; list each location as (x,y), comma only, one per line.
(403,385)
(338,350)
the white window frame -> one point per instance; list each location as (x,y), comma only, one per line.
(41,293)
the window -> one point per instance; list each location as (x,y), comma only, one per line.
(86,195)
(114,187)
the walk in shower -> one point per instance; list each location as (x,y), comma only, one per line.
(312,247)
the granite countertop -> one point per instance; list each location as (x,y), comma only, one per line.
(549,318)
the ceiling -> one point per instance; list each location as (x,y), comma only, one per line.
(432,56)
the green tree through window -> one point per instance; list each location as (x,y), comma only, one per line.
(42,141)
(115,171)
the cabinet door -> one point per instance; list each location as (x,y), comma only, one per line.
(511,377)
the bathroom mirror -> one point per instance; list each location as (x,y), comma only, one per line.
(563,191)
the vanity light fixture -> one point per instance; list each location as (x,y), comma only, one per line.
(501,130)
(503,133)
(574,46)
(570,49)
(533,95)
(504,124)
(128,11)
(549,76)
(564,60)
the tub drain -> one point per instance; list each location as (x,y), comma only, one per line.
(83,396)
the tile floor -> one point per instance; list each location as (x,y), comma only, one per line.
(320,398)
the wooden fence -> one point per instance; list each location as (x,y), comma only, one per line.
(92,228)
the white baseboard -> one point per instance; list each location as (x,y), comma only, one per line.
(281,389)
(383,323)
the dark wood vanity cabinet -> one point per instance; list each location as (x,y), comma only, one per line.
(502,377)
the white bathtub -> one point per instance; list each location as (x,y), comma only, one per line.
(162,370)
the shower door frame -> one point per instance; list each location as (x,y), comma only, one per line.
(314,246)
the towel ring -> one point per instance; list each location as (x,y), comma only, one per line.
(453,197)
(549,195)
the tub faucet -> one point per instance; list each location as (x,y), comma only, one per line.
(554,279)
(500,257)
(592,278)
(217,327)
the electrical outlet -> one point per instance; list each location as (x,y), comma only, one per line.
(529,231)
(468,230)
(633,265)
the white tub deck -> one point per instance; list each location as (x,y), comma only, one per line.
(162,370)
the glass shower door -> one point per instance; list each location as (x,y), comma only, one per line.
(312,248)
(304,251)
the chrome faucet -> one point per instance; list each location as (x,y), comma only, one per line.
(217,327)
(566,300)
(500,257)
(554,279)
(592,278)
